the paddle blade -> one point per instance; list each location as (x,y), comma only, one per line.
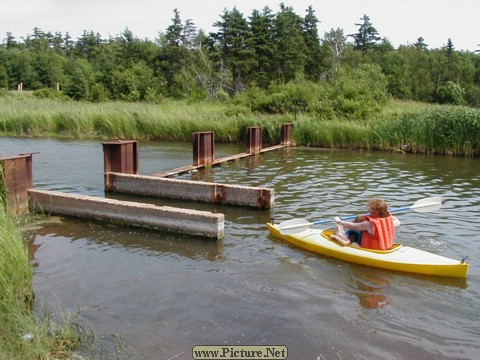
(293,226)
(427,205)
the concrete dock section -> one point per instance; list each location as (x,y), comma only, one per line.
(165,218)
(225,194)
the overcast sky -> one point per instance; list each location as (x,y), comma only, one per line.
(401,21)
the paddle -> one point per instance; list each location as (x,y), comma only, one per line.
(298,225)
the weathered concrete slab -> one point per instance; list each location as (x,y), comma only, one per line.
(193,222)
(191,190)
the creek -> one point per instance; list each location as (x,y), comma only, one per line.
(154,295)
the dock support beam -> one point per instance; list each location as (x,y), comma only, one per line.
(15,180)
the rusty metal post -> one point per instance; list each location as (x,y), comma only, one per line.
(15,180)
(121,157)
(286,134)
(254,139)
(203,148)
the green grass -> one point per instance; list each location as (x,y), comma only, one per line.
(400,125)
(47,340)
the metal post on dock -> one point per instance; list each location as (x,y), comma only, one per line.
(286,134)
(203,148)
(254,139)
(121,157)
(15,180)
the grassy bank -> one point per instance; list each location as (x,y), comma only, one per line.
(22,334)
(409,127)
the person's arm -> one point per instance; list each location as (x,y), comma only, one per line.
(360,226)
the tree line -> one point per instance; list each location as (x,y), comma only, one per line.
(243,55)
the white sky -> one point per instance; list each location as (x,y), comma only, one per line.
(401,21)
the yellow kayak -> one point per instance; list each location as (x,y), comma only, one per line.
(399,258)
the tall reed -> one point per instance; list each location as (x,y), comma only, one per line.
(22,334)
(446,130)
(406,127)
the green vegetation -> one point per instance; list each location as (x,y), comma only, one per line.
(265,69)
(397,126)
(22,334)
(446,130)
(264,50)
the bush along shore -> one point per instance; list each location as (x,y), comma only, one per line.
(407,127)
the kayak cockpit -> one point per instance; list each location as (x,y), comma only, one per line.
(326,234)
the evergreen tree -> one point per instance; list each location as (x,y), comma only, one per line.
(449,48)
(420,44)
(10,42)
(290,44)
(312,43)
(234,42)
(88,46)
(261,25)
(174,32)
(174,52)
(367,37)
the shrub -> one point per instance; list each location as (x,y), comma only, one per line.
(48,93)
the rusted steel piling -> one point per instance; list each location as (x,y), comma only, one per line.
(287,134)
(165,218)
(254,139)
(15,180)
(203,148)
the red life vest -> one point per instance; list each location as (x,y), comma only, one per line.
(383,233)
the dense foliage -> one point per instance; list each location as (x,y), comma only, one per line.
(263,58)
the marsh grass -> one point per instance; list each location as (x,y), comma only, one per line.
(445,130)
(401,126)
(22,334)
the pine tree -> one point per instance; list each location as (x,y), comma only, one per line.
(367,37)
(261,25)
(312,42)
(234,42)
(290,44)
(420,44)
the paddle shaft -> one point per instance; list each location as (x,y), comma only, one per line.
(422,205)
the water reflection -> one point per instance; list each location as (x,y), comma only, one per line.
(372,290)
(147,242)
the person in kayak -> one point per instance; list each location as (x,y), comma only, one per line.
(377,229)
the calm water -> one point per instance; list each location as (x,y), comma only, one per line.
(150,295)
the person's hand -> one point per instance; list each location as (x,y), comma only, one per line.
(337,219)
